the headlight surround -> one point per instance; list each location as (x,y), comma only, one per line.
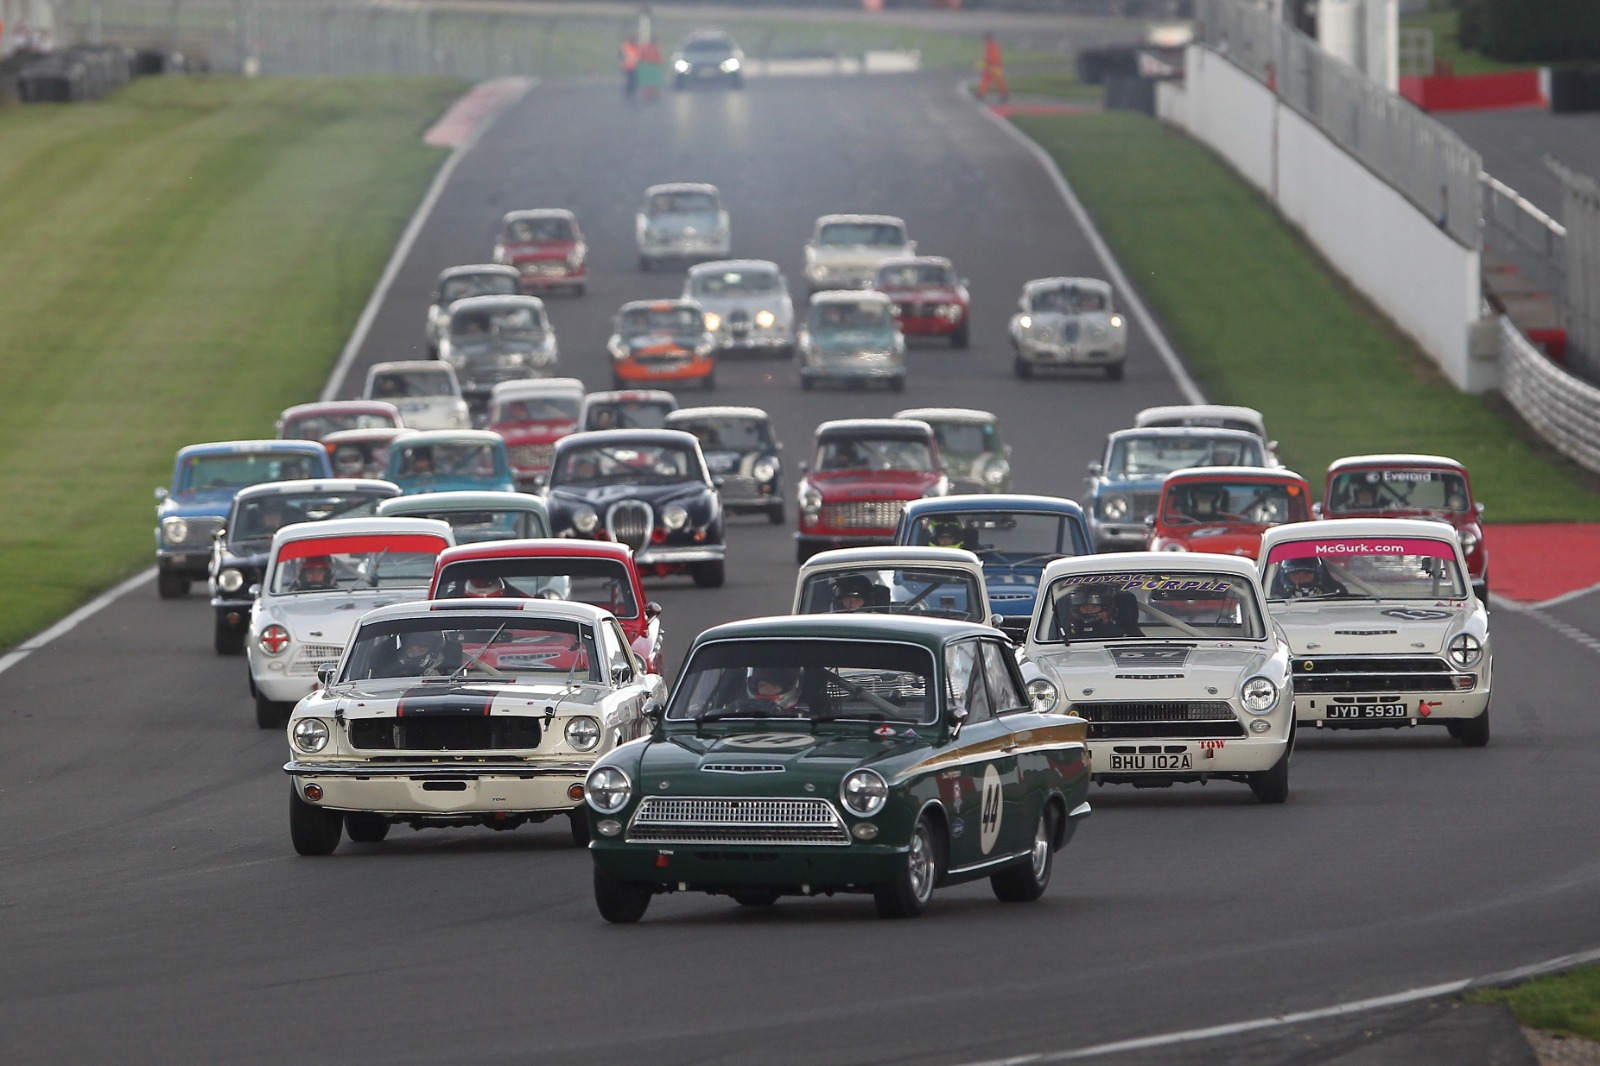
(675,518)
(1116,321)
(1174,547)
(996,471)
(766,319)
(1469,542)
(1042,695)
(713,321)
(863,792)
(1114,507)
(174,530)
(1465,651)
(810,499)
(1025,322)
(582,733)
(230,580)
(585,521)
(1259,695)
(607,789)
(575,258)
(273,640)
(764,468)
(310,735)
(681,66)
(730,65)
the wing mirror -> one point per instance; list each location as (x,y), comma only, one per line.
(161,493)
(717,481)
(652,609)
(805,467)
(1095,468)
(325,672)
(1478,507)
(254,590)
(958,718)
(1149,521)
(621,674)
(1316,510)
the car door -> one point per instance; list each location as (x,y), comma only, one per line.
(985,769)
(1019,811)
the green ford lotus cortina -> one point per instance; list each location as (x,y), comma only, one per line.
(822,754)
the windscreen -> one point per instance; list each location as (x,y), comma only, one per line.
(501,646)
(236,470)
(318,426)
(412,383)
(871,233)
(1138,604)
(641,320)
(1389,568)
(911,275)
(258,519)
(488,523)
(728,434)
(465,285)
(1256,503)
(875,453)
(816,680)
(539,230)
(727,283)
(1397,490)
(926,591)
(625,463)
(629,414)
(965,438)
(352,563)
(1151,457)
(1013,538)
(601,582)
(464,459)
(667,203)
(537,409)
(860,315)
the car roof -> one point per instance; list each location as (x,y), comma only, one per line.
(1395,459)
(505,299)
(314,485)
(675,437)
(335,406)
(689,414)
(1198,410)
(892,555)
(946,414)
(631,396)
(854,296)
(372,433)
(1179,432)
(537,212)
(1232,473)
(362,527)
(931,633)
(665,303)
(718,265)
(682,186)
(478,268)
(884,427)
(275,444)
(463,500)
(423,437)
(1058,282)
(828,220)
(541,547)
(410,365)
(1344,528)
(994,501)
(567,610)
(917,260)
(1171,561)
(525,387)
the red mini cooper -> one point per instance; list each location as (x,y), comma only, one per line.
(546,248)
(532,414)
(1225,509)
(1410,486)
(863,472)
(930,299)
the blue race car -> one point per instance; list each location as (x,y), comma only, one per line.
(1125,484)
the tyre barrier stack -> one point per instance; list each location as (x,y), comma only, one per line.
(88,72)
(1575,89)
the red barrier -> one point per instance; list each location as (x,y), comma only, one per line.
(1474,92)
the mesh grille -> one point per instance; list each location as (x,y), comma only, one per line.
(1363,673)
(307,657)
(454,733)
(1156,711)
(201,531)
(739,487)
(863,514)
(629,522)
(531,455)
(722,821)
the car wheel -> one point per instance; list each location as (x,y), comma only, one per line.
(1113,371)
(775,513)
(755,897)
(1272,786)
(806,384)
(171,585)
(710,575)
(908,894)
(710,383)
(270,714)
(961,337)
(803,552)
(1023,368)
(578,289)
(313,830)
(1472,732)
(1027,880)
(623,902)
(578,822)
(227,638)
(365,828)
(897,384)
(1480,589)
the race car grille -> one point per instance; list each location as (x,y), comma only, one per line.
(863,514)
(1371,673)
(307,657)
(201,531)
(1129,719)
(545,268)
(739,487)
(737,821)
(453,733)
(629,522)
(534,456)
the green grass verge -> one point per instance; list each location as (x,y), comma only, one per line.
(1264,322)
(1566,1003)
(177,264)
(1447,50)
(1062,83)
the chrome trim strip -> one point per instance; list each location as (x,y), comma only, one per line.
(984,865)
(437,771)
(1080,811)
(649,555)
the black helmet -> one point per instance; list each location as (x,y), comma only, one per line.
(418,646)
(942,527)
(849,585)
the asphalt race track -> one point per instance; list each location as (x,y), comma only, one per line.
(152,909)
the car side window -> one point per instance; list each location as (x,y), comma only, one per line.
(1002,683)
(615,649)
(963,669)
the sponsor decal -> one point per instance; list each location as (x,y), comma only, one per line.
(1148,582)
(1346,547)
(958,827)
(992,805)
(1406,475)
(1207,745)
(773,741)
(1415,614)
(884,731)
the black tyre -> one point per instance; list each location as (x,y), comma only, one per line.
(897,384)
(270,714)
(710,575)
(1027,880)
(710,383)
(171,586)
(1272,786)
(578,822)
(805,384)
(962,337)
(578,289)
(803,551)
(1113,371)
(227,638)
(623,902)
(365,828)
(775,513)
(755,897)
(1472,732)
(1023,368)
(908,894)
(313,830)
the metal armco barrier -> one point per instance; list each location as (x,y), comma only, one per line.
(1563,409)
(1580,207)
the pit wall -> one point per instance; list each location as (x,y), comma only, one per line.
(1398,257)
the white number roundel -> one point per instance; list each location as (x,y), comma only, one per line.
(989,827)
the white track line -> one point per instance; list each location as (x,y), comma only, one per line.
(1397,999)
(335,381)
(1102,251)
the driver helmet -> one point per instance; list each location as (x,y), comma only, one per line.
(418,647)
(1206,502)
(348,462)
(316,572)
(483,587)
(946,532)
(1091,606)
(852,587)
(1302,572)
(1364,494)
(775,684)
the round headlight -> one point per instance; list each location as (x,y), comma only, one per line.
(607,789)
(575,259)
(996,471)
(1174,547)
(1116,321)
(583,733)
(675,518)
(764,468)
(864,792)
(1114,507)
(1026,321)
(230,580)
(311,735)
(619,352)
(174,530)
(1465,650)
(810,500)
(766,319)
(1042,695)
(681,66)
(273,640)
(585,521)
(1469,542)
(713,321)
(1258,695)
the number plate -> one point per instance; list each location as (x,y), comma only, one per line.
(1151,763)
(1370,710)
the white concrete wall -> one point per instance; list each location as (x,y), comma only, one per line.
(1388,249)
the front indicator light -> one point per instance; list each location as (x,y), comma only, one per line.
(609,827)
(313,792)
(1465,651)
(864,831)
(1258,695)
(311,735)
(575,793)
(1260,725)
